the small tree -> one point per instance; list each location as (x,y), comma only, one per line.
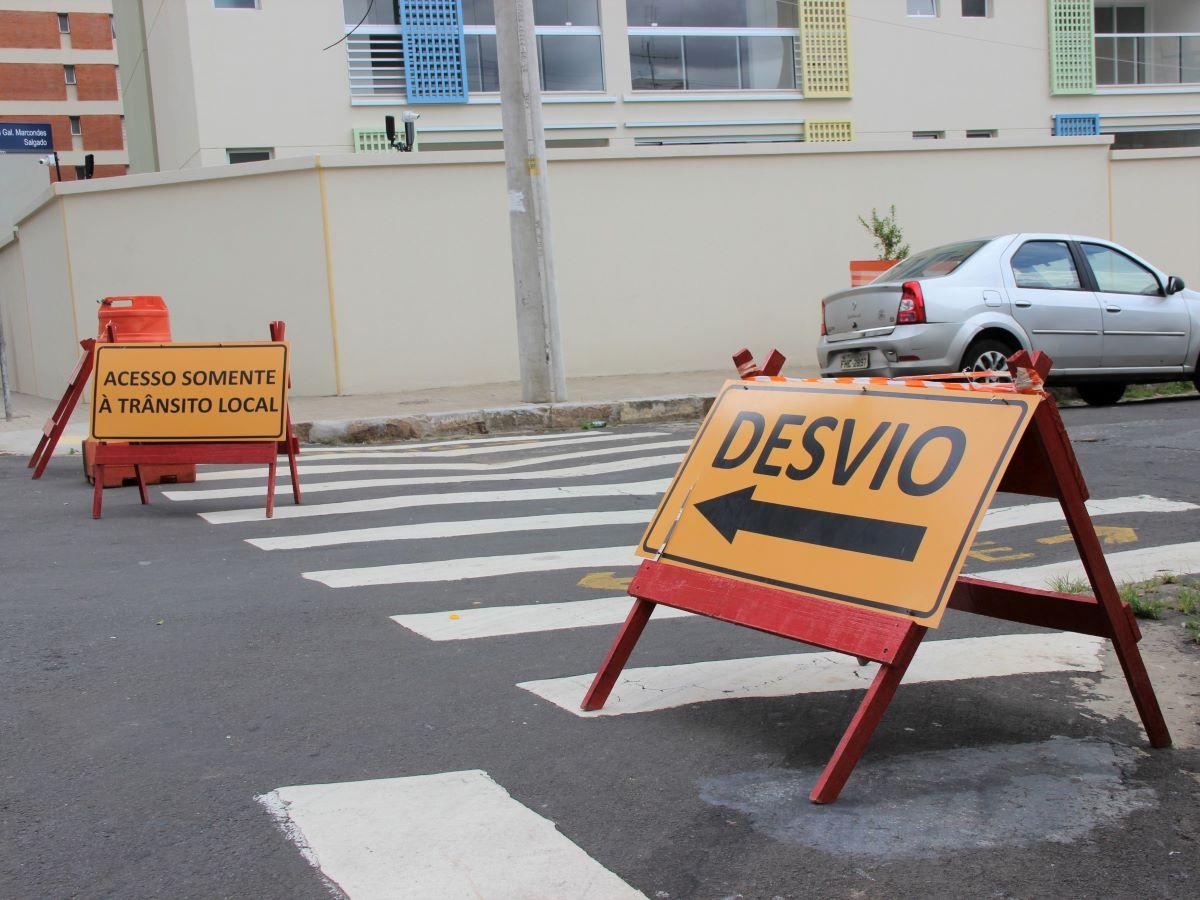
(889,238)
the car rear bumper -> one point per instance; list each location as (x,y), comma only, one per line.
(908,351)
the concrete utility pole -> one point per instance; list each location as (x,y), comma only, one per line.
(539,341)
(4,389)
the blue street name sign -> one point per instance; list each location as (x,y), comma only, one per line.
(25,137)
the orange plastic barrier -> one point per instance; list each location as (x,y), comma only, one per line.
(138,318)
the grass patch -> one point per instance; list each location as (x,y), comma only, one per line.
(1188,600)
(1168,389)
(1068,584)
(1143,607)
(1193,629)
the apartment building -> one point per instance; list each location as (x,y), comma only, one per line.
(240,80)
(58,65)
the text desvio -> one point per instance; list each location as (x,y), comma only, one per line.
(820,436)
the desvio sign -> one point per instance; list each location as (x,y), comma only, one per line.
(826,489)
(25,137)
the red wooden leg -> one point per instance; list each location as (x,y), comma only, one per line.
(37,454)
(862,726)
(141,480)
(1062,460)
(271,467)
(618,654)
(98,490)
(293,474)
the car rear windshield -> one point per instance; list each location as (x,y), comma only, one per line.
(932,263)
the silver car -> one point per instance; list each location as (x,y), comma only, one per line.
(1104,315)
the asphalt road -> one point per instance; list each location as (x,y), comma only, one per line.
(160,673)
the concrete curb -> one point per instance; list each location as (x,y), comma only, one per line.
(505,419)
(525,417)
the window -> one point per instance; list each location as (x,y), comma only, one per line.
(238,4)
(712,45)
(1158,138)
(976,9)
(570,57)
(69,74)
(981,132)
(1046,265)
(676,140)
(112,26)
(76,127)
(249,154)
(64,23)
(1116,273)
(925,8)
(932,263)
(381,12)
(928,135)
(1122,60)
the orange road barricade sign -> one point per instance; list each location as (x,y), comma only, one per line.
(870,498)
(839,512)
(190,392)
(167,404)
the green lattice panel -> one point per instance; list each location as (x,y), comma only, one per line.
(825,48)
(370,140)
(1072,47)
(828,131)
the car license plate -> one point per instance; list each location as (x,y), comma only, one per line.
(854,360)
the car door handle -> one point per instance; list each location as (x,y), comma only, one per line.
(1112,309)
(1024,304)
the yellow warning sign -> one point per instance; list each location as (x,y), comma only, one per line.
(190,392)
(867,494)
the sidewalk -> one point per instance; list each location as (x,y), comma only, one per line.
(446,412)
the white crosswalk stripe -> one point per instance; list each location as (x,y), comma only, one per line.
(475,567)
(513,442)
(461,569)
(428,530)
(608,468)
(410,501)
(452,449)
(453,834)
(664,687)
(338,469)
(497,621)
(1126,565)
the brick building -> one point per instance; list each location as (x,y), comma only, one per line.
(58,64)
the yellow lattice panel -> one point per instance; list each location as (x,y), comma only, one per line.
(825,48)
(828,131)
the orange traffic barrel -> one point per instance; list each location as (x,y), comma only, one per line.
(139,318)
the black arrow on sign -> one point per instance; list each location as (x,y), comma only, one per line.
(739,511)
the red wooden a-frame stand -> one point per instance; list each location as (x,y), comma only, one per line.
(57,423)
(138,455)
(1044,465)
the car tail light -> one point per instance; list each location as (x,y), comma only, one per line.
(912,304)
(823,330)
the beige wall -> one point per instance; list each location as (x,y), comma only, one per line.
(668,258)
(1156,208)
(15,316)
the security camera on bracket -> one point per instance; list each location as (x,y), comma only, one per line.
(410,131)
(51,159)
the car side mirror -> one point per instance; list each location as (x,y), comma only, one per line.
(1175,285)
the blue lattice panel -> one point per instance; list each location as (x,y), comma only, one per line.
(435,58)
(1076,125)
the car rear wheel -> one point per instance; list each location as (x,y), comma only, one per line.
(1101,394)
(987,355)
